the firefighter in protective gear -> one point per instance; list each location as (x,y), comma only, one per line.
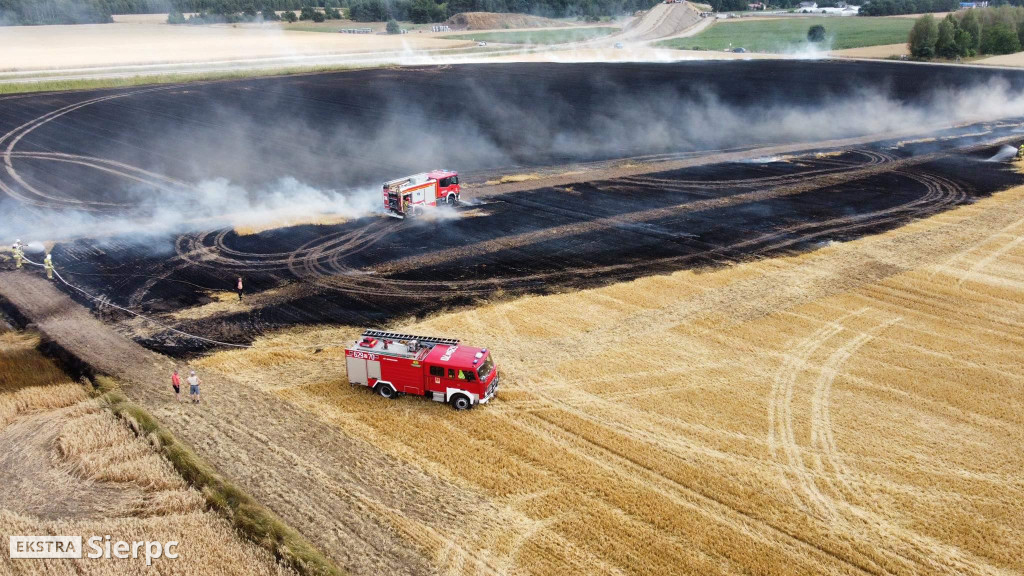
(19,252)
(1020,152)
(48,264)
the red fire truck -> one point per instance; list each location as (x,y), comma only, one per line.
(439,368)
(410,195)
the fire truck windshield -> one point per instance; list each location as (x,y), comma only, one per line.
(485,369)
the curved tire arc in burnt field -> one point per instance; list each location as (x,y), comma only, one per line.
(639,169)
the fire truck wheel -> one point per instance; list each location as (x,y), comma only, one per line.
(386,391)
(452,200)
(461,402)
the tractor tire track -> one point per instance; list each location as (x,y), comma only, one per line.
(822,436)
(781,437)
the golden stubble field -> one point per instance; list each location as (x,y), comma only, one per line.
(69,466)
(854,410)
(27,48)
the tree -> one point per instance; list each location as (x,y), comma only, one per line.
(963,43)
(393,27)
(269,15)
(816,33)
(458,6)
(923,36)
(999,38)
(972,25)
(423,11)
(369,11)
(332,13)
(175,17)
(945,44)
(290,16)
(318,16)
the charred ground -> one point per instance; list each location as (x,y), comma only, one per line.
(125,151)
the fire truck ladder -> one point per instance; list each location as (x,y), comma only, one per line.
(423,340)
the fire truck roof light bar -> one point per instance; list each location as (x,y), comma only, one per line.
(422,339)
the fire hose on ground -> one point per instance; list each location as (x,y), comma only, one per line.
(106,302)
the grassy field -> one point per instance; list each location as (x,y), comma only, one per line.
(825,413)
(790,34)
(539,36)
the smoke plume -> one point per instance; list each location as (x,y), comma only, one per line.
(286,150)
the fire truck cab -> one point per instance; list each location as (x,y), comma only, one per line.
(410,195)
(442,369)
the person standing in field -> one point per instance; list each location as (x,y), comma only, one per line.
(19,253)
(239,288)
(193,386)
(176,384)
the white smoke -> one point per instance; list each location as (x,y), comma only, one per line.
(289,200)
(673,122)
(1004,154)
(626,123)
(210,204)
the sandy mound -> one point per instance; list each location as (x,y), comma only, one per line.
(661,21)
(495,21)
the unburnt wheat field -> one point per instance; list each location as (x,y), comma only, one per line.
(750,317)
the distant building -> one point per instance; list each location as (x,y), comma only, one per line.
(756,6)
(983,4)
(808,5)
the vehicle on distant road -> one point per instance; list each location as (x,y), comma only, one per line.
(411,194)
(441,369)
(739,50)
(481,43)
(619,45)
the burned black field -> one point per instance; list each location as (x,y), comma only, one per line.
(127,154)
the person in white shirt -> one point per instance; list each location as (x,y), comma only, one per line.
(193,386)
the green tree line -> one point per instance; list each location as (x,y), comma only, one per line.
(29,12)
(230,14)
(975,32)
(894,7)
(421,11)
(21,12)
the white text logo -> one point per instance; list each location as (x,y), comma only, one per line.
(46,546)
